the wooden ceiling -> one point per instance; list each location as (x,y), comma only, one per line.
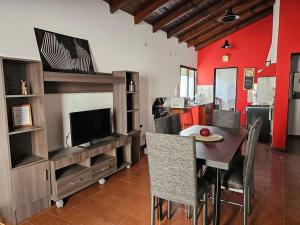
(194,21)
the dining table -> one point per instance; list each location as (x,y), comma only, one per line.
(218,154)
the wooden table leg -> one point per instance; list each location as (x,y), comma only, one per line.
(217,200)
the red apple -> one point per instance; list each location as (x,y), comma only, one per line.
(204,132)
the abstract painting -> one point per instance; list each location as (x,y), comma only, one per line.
(61,53)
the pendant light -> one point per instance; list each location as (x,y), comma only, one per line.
(226,44)
(229,16)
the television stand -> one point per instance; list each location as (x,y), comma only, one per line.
(73,169)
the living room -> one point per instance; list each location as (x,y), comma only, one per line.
(136,64)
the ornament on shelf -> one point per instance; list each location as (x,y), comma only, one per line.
(24,87)
(131,86)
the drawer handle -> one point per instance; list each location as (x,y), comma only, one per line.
(106,168)
(75,182)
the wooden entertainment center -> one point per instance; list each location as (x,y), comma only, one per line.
(31,176)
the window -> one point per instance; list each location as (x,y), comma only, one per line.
(188,78)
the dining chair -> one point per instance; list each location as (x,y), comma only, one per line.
(173,173)
(169,124)
(226,119)
(223,119)
(239,178)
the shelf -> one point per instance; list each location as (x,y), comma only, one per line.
(131,92)
(69,171)
(27,161)
(100,78)
(25,130)
(132,110)
(100,159)
(23,96)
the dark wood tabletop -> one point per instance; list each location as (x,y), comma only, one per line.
(218,154)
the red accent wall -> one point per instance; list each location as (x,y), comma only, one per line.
(288,43)
(250,49)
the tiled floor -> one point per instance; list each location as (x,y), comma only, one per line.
(124,199)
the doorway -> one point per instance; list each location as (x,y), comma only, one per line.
(294,97)
(225,85)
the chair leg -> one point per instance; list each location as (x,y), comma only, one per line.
(152,210)
(245,210)
(213,194)
(204,209)
(189,212)
(169,209)
(249,205)
(252,182)
(195,215)
(159,209)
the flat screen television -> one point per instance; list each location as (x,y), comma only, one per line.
(87,126)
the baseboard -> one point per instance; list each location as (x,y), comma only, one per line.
(278,149)
(293,136)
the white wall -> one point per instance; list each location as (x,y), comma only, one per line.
(57,110)
(115,42)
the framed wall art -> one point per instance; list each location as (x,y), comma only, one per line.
(62,53)
(248,78)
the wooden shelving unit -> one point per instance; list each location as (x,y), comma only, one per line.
(24,151)
(79,83)
(24,96)
(126,109)
(75,168)
(26,129)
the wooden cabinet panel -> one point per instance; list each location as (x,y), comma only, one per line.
(30,184)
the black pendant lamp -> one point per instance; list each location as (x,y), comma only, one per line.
(226,44)
(229,16)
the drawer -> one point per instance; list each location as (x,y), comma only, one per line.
(74,181)
(104,167)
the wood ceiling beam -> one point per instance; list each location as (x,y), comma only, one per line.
(174,15)
(203,16)
(239,26)
(249,13)
(115,5)
(214,23)
(141,15)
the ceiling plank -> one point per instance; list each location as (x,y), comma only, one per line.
(214,23)
(250,12)
(115,5)
(174,15)
(141,15)
(203,16)
(239,26)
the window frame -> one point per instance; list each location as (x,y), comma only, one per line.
(188,80)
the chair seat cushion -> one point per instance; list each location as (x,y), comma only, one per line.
(233,178)
(202,187)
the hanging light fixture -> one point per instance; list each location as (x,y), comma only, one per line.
(226,44)
(229,16)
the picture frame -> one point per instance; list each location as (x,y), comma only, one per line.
(296,85)
(22,116)
(59,53)
(248,78)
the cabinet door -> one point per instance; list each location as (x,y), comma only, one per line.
(30,184)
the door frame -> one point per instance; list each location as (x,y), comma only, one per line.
(236,83)
(290,98)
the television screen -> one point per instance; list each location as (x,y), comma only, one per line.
(87,126)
